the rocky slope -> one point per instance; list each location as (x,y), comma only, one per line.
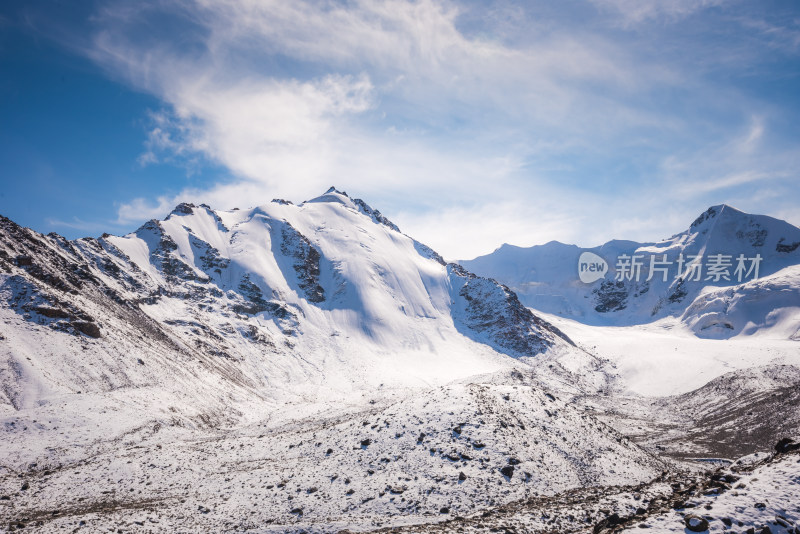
(437,455)
(733,415)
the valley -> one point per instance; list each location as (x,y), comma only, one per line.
(310,368)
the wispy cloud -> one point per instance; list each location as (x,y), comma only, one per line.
(84,226)
(738,161)
(782,34)
(638,11)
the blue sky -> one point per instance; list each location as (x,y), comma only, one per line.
(469,123)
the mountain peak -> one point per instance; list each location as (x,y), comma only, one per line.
(713,212)
(332,195)
(341,197)
(184,208)
(332,189)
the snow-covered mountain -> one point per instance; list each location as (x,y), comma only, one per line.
(729,273)
(210,318)
(308,325)
(327,294)
(310,368)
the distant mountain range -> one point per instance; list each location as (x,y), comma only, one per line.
(730,273)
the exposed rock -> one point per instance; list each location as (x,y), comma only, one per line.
(784,248)
(24,261)
(306,264)
(184,208)
(492,309)
(756,235)
(87,328)
(53,313)
(710,213)
(210,258)
(611,296)
(507,471)
(174,268)
(374,214)
(786,445)
(609,522)
(695,523)
(679,292)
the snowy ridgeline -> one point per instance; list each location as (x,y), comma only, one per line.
(730,273)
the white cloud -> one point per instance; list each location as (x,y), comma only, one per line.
(78,224)
(266,130)
(394,102)
(291,137)
(140,209)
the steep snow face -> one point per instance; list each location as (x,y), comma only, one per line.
(310,300)
(667,282)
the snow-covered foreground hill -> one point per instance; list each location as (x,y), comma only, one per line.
(308,367)
(426,458)
(755,495)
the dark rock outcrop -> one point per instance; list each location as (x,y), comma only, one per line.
(494,311)
(306,262)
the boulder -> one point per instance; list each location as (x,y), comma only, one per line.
(695,523)
(786,445)
(87,328)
